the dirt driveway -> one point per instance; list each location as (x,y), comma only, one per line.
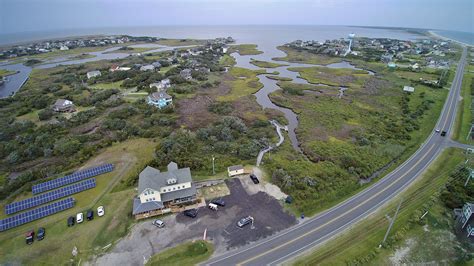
(146,240)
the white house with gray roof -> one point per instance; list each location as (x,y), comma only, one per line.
(159,192)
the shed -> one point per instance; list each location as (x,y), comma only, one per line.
(235,170)
(408,89)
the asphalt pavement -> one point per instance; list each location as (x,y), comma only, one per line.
(293,241)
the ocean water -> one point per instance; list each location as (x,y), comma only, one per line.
(464,37)
(274,34)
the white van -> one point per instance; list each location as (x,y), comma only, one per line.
(212,206)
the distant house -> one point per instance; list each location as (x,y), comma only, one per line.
(186,74)
(386,58)
(162,85)
(156,64)
(160,99)
(415,66)
(465,219)
(62,105)
(163,192)
(64,48)
(91,74)
(392,65)
(235,170)
(408,89)
(117,68)
(147,68)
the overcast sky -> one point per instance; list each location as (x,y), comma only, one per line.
(41,15)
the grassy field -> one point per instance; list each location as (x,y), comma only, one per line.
(106,86)
(90,236)
(332,76)
(298,56)
(244,83)
(265,64)
(180,42)
(464,121)
(190,253)
(4,72)
(227,60)
(279,78)
(359,245)
(244,49)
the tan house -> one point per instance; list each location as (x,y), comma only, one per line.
(163,192)
(235,170)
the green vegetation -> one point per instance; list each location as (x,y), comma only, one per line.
(131,50)
(129,158)
(464,117)
(301,56)
(244,49)
(430,239)
(344,77)
(4,72)
(244,82)
(227,61)
(180,42)
(371,128)
(265,64)
(279,78)
(191,253)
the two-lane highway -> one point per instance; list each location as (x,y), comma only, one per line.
(291,242)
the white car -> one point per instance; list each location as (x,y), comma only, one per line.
(100,211)
(79,217)
(158,223)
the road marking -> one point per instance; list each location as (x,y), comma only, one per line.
(339,216)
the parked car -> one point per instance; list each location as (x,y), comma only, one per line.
(254,179)
(443,133)
(79,217)
(90,215)
(158,223)
(219,202)
(30,237)
(100,211)
(70,221)
(212,206)
(41,233)
(191,213)
(244,221)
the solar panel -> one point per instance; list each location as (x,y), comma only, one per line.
(49,196)
(35,214)
(73,178)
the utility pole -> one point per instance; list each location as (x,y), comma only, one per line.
(213,167)
(391,222)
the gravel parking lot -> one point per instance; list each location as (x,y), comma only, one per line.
(145,239)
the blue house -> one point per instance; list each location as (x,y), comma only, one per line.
(160,99)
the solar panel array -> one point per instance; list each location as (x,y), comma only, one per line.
(75,177)
(38,213)
(49,196)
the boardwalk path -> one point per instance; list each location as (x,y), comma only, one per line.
(282,138)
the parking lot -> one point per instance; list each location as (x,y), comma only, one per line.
(145,239)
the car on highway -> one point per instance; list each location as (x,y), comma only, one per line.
(437,130)
(158,223)
(79,217)
(443,133)
(30,237)
(70,221)
(90,215)
(244,221)
(100,211)
(219,202)
(191,213)
(254,179)
(41,234)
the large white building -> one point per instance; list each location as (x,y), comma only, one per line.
(159,192)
